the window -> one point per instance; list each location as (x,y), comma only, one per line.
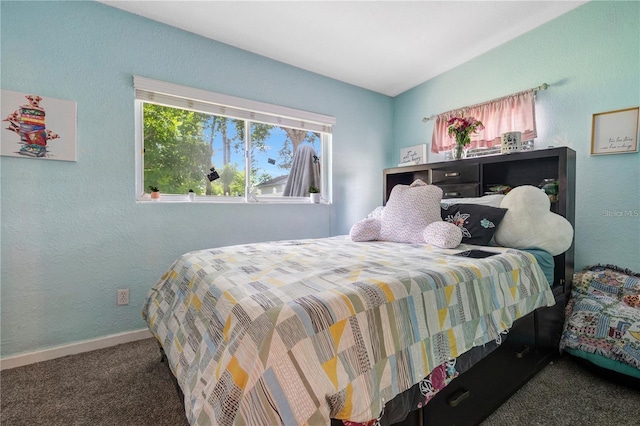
(225,148)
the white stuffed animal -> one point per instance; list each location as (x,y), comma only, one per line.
(529,222)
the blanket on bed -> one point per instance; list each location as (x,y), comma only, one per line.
(603,314)
(298,332)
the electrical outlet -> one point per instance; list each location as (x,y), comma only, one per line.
(123,297)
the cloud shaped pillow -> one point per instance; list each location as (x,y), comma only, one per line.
(529,223)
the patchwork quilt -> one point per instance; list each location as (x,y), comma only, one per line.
(603,314)
(298,332)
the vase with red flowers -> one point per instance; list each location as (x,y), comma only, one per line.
(461,128)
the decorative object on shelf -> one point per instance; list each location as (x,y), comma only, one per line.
(155,192)
(459,152)
(412,155)
(191,196)
(615,132)
(483,151)
(498,189)
(527,145)
(38,127)
(314,194)
(461,128)
(550,187)
(511,142)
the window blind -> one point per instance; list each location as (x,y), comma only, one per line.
(169,94)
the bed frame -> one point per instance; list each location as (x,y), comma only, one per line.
(474,395)
(533,341)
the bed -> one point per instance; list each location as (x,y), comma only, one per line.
(265,334)
(358,331)
(603,320)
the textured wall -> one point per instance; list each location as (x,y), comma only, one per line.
(591,59)
(72,233)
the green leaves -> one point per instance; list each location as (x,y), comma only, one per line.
(180,147)
(173,145)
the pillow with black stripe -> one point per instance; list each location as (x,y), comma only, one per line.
(478,223)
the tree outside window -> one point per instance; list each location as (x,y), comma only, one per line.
(181,146)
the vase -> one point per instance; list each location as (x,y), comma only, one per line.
(459,152)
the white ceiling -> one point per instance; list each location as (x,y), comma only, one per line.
(384,46)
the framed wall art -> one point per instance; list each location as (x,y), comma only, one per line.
(615,132)
(35,126)
(411,155)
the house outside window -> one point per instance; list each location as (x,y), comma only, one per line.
(227,149)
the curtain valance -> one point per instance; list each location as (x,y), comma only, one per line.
(512,113)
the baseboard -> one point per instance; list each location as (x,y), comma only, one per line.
(73,348)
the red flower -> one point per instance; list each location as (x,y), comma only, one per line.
(462,127)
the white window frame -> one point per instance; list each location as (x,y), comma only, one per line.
(174,95)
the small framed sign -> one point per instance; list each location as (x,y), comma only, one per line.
(411,155)
(615,132)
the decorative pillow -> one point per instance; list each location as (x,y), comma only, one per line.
(442,234)
(409,210)
(478,223)
(376,213)
(492,200)
(529,223)
(365,230)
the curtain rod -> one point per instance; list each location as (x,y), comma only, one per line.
(543,86)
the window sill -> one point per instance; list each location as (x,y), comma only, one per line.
(173,199)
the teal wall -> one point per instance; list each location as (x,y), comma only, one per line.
(72,233)
(591,58)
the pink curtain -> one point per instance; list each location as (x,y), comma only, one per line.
(513,113)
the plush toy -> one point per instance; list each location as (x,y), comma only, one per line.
(412,215)
(529,223)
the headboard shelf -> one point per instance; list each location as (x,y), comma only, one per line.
(472,177)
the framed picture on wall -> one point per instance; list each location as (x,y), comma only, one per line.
(615,132)
(35,126)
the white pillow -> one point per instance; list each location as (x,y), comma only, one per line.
(442,234)
(367,229)
(529,223)
(376,213)
(492,200)
(409,210)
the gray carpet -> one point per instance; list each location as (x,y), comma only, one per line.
(128,385)
(566,393)
(122,385)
